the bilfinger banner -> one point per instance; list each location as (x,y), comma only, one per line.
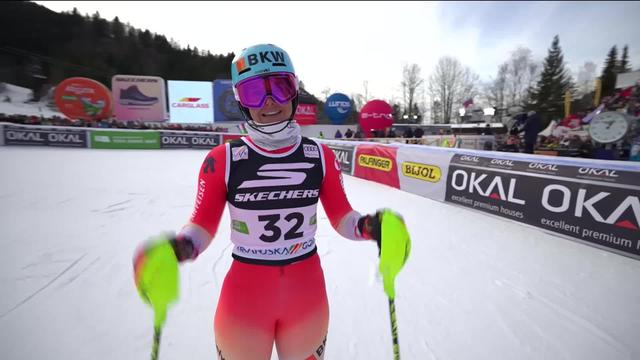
(377,163)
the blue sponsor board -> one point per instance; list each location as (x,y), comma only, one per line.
(337,108)
(225,106)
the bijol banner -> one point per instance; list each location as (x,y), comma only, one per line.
(423,171)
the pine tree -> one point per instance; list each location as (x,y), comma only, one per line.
(624,67)
(608,77)
(548,94)
(117,29)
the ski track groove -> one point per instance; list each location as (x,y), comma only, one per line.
(571,316)
(63,261)
(64,201)
(425,344)
(118,203)
(73,278)
(25,300)
(110,208)
(113,210)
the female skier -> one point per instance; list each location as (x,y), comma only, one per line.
(272,180)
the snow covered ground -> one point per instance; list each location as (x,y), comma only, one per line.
(19,105)
(476,287)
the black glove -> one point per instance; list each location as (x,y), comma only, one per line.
(183,247)
(370,226)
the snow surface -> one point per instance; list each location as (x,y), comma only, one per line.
(475,287)
(20,105)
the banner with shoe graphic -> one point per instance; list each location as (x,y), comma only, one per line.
(141,98)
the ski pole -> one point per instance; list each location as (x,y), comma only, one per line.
(394,252)
(157,333)
(394,329)
(157,281)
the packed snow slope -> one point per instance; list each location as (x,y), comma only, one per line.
(475,287)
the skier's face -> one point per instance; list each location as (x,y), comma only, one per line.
(271,112)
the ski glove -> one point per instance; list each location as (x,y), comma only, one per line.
(182,246)
(370,226)
(154,262)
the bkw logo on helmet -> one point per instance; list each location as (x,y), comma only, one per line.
(258,60)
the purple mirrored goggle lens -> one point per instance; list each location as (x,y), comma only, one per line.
(253,92)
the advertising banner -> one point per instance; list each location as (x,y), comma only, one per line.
(306,114)
(375,115)
(83,98)
(176,140)
(423,171)
(337,108)
(140,98)
(190,102)
(225,105)
(226,138)
(103,139)
(598,206)
(23,135)
(344,155)
(377,163)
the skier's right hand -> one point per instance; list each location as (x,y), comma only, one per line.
(155,262)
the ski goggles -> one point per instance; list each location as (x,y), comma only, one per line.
(253,92)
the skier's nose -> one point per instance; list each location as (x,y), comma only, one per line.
(270,101)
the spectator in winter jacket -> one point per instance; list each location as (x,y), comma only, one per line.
(348,134)
(531,128)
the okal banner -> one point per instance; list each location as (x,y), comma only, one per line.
(176,140)
(45,136)
(344,155)
(598,206)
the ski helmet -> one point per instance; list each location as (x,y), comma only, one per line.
(260,60)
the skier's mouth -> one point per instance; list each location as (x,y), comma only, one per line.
(270,114)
